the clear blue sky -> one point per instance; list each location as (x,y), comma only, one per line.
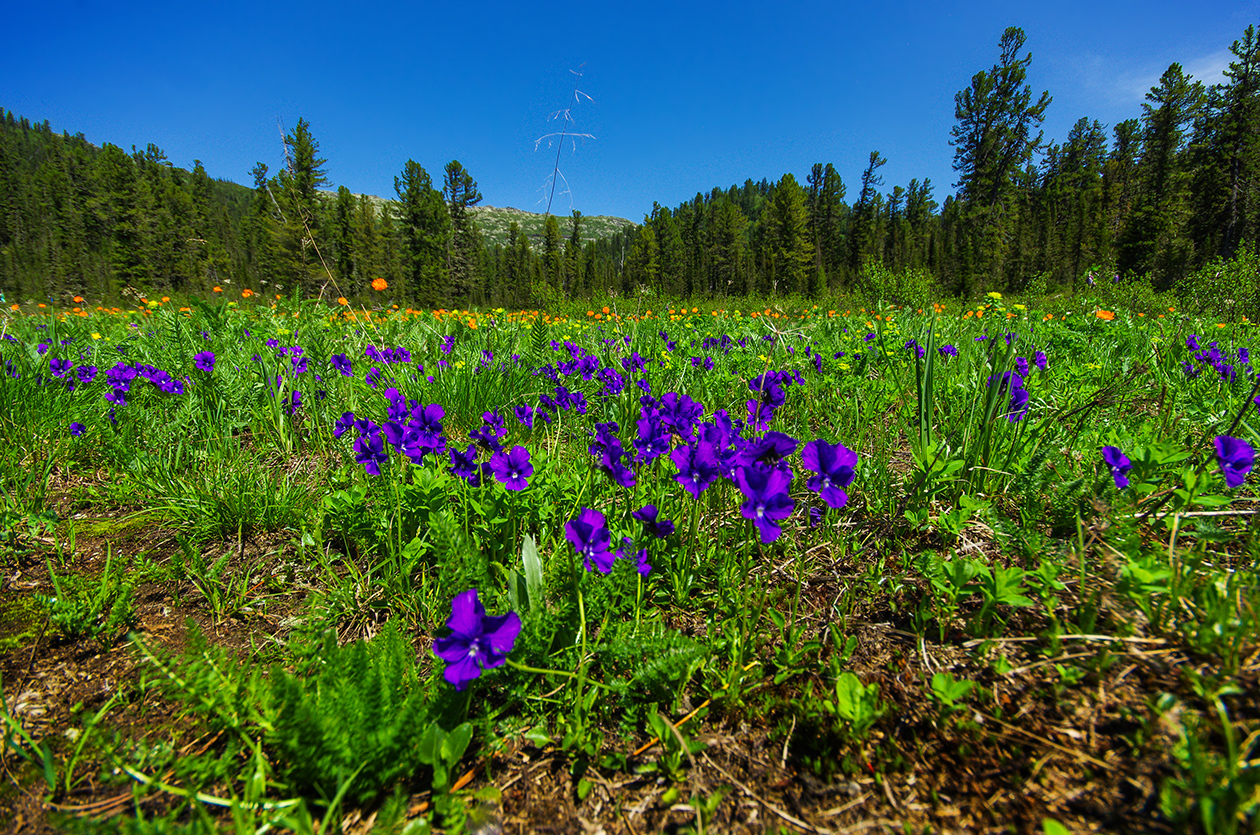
(684,95)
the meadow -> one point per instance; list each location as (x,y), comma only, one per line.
(820,567)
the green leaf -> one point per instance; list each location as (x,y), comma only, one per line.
(533,571)
(1049,826)
(456,743)
(430,749)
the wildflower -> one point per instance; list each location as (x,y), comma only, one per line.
(768,451)
(697,467)
(342,363)
(1018,406)
(589,535)
(343,424)
(1119,464)
(60,367)
(1039,360)
(947,351)
(379,284)
(767,500)
(1235,458)
(648,516)
(834,465)
(1105,315)
(77,429)
(204,361)
(85,373)
(512,468)
(477,641)
(369,450)
(464,465)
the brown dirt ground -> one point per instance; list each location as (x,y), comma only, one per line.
(1088,755)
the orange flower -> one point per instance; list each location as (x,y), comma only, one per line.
(246,293)
(695,310)
(15,306)
(78,300)
(1105,315)
(218,289)
(341,300)
(165,299)
(604,311)
(379,284)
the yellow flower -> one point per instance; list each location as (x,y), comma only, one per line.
(994,295)
(1020,307)
(95,335)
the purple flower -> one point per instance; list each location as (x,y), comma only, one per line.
(77,429)
(60,367)
(768,450)
(767,499)
(648,516)
(345,422)
(464,465)
(477,641)
(1235,457)
(589,536)
(639,557)
(697,467)
(1119,464)
(834,465)
(86,373)
(369,450)
(524,415)
(1039,360)
(512,468)
(342,363)
(1018,407)
(947,351)
(204,361)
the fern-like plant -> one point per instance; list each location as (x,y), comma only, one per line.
(361,712)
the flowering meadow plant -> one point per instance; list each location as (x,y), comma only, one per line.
(662,506)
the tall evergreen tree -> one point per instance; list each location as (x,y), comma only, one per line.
(993,141)
(298,185)
(1152,241)
(464,245)
(424,224)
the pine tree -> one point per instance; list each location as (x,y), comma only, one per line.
(864,240)
(790,248)
(993,141)
(464,244)
(424,225)
(298,186)
(1153,241)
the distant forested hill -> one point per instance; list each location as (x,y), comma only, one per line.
(1174,193)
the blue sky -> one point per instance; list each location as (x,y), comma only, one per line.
(684,96)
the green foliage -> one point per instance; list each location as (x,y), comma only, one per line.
(856,704)
(1225,288)
(97,608)
(359,710)
(651,660)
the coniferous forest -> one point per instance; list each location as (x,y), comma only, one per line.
(1155,198)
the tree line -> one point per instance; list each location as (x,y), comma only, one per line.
(1174,188)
